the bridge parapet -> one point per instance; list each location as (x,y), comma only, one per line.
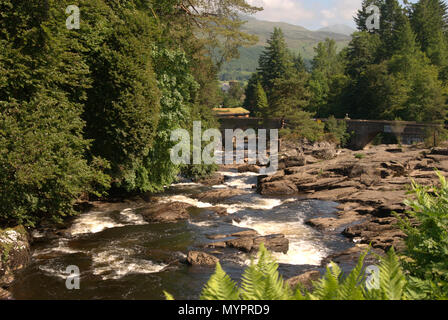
(365,131)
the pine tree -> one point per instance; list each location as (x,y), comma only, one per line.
(429,22)
(251,91)
(275,61)
(261,103)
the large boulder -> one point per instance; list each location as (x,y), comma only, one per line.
(249,168)
(275,243)
(166,212)
(214,179)
(14,253)
(197,258)
(293,161)
(281,187)
(218,195)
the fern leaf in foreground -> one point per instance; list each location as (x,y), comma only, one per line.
(220,287)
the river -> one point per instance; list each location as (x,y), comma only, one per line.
(120,256)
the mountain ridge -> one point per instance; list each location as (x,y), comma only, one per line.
(299,40)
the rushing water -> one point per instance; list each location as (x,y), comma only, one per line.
(120,256)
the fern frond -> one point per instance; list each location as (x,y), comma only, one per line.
(168,296)
(392,279)
(220,287)
(352,286)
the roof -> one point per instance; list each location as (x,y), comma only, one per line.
(229,111)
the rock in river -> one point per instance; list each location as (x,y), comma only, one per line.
(197,258)
(166,212)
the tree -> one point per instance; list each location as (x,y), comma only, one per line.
(261,103)
(327,66)
(275,62)
(122,109)
(251,92)
(43,86)
(428,19)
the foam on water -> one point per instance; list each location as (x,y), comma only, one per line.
(187,200)
(300,251)
(62,247)
(93,222)
(116,262)
(131,218)
(203,224)
(256,202)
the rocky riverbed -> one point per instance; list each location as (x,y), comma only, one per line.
(323,204)
(369,185)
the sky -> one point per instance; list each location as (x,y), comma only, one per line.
(311,14)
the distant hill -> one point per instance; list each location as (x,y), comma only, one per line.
(339,28)
(299,39)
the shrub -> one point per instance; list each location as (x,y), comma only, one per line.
(336,131)
(426,227)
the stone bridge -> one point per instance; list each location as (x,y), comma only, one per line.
(363,131)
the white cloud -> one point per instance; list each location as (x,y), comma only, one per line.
(311,14)
(292,11)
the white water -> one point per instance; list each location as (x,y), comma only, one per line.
(115,262)
(300,251)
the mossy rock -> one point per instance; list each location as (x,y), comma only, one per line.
(14,252)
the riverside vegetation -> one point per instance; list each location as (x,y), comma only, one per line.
(89,112)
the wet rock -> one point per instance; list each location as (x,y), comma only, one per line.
(214,179)
(275,243)
(220,211)
(197,258)
(247,233)
(330,224)
(218,244)
(166,212)
(244,244)
(218,195)
(322,184)
(382,233)
(293,161)
(440,151)
(14,253)
(249,168)
(284,187)
(305,279)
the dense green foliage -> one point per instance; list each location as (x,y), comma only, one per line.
(426,228)
(83,110)
(398,71)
